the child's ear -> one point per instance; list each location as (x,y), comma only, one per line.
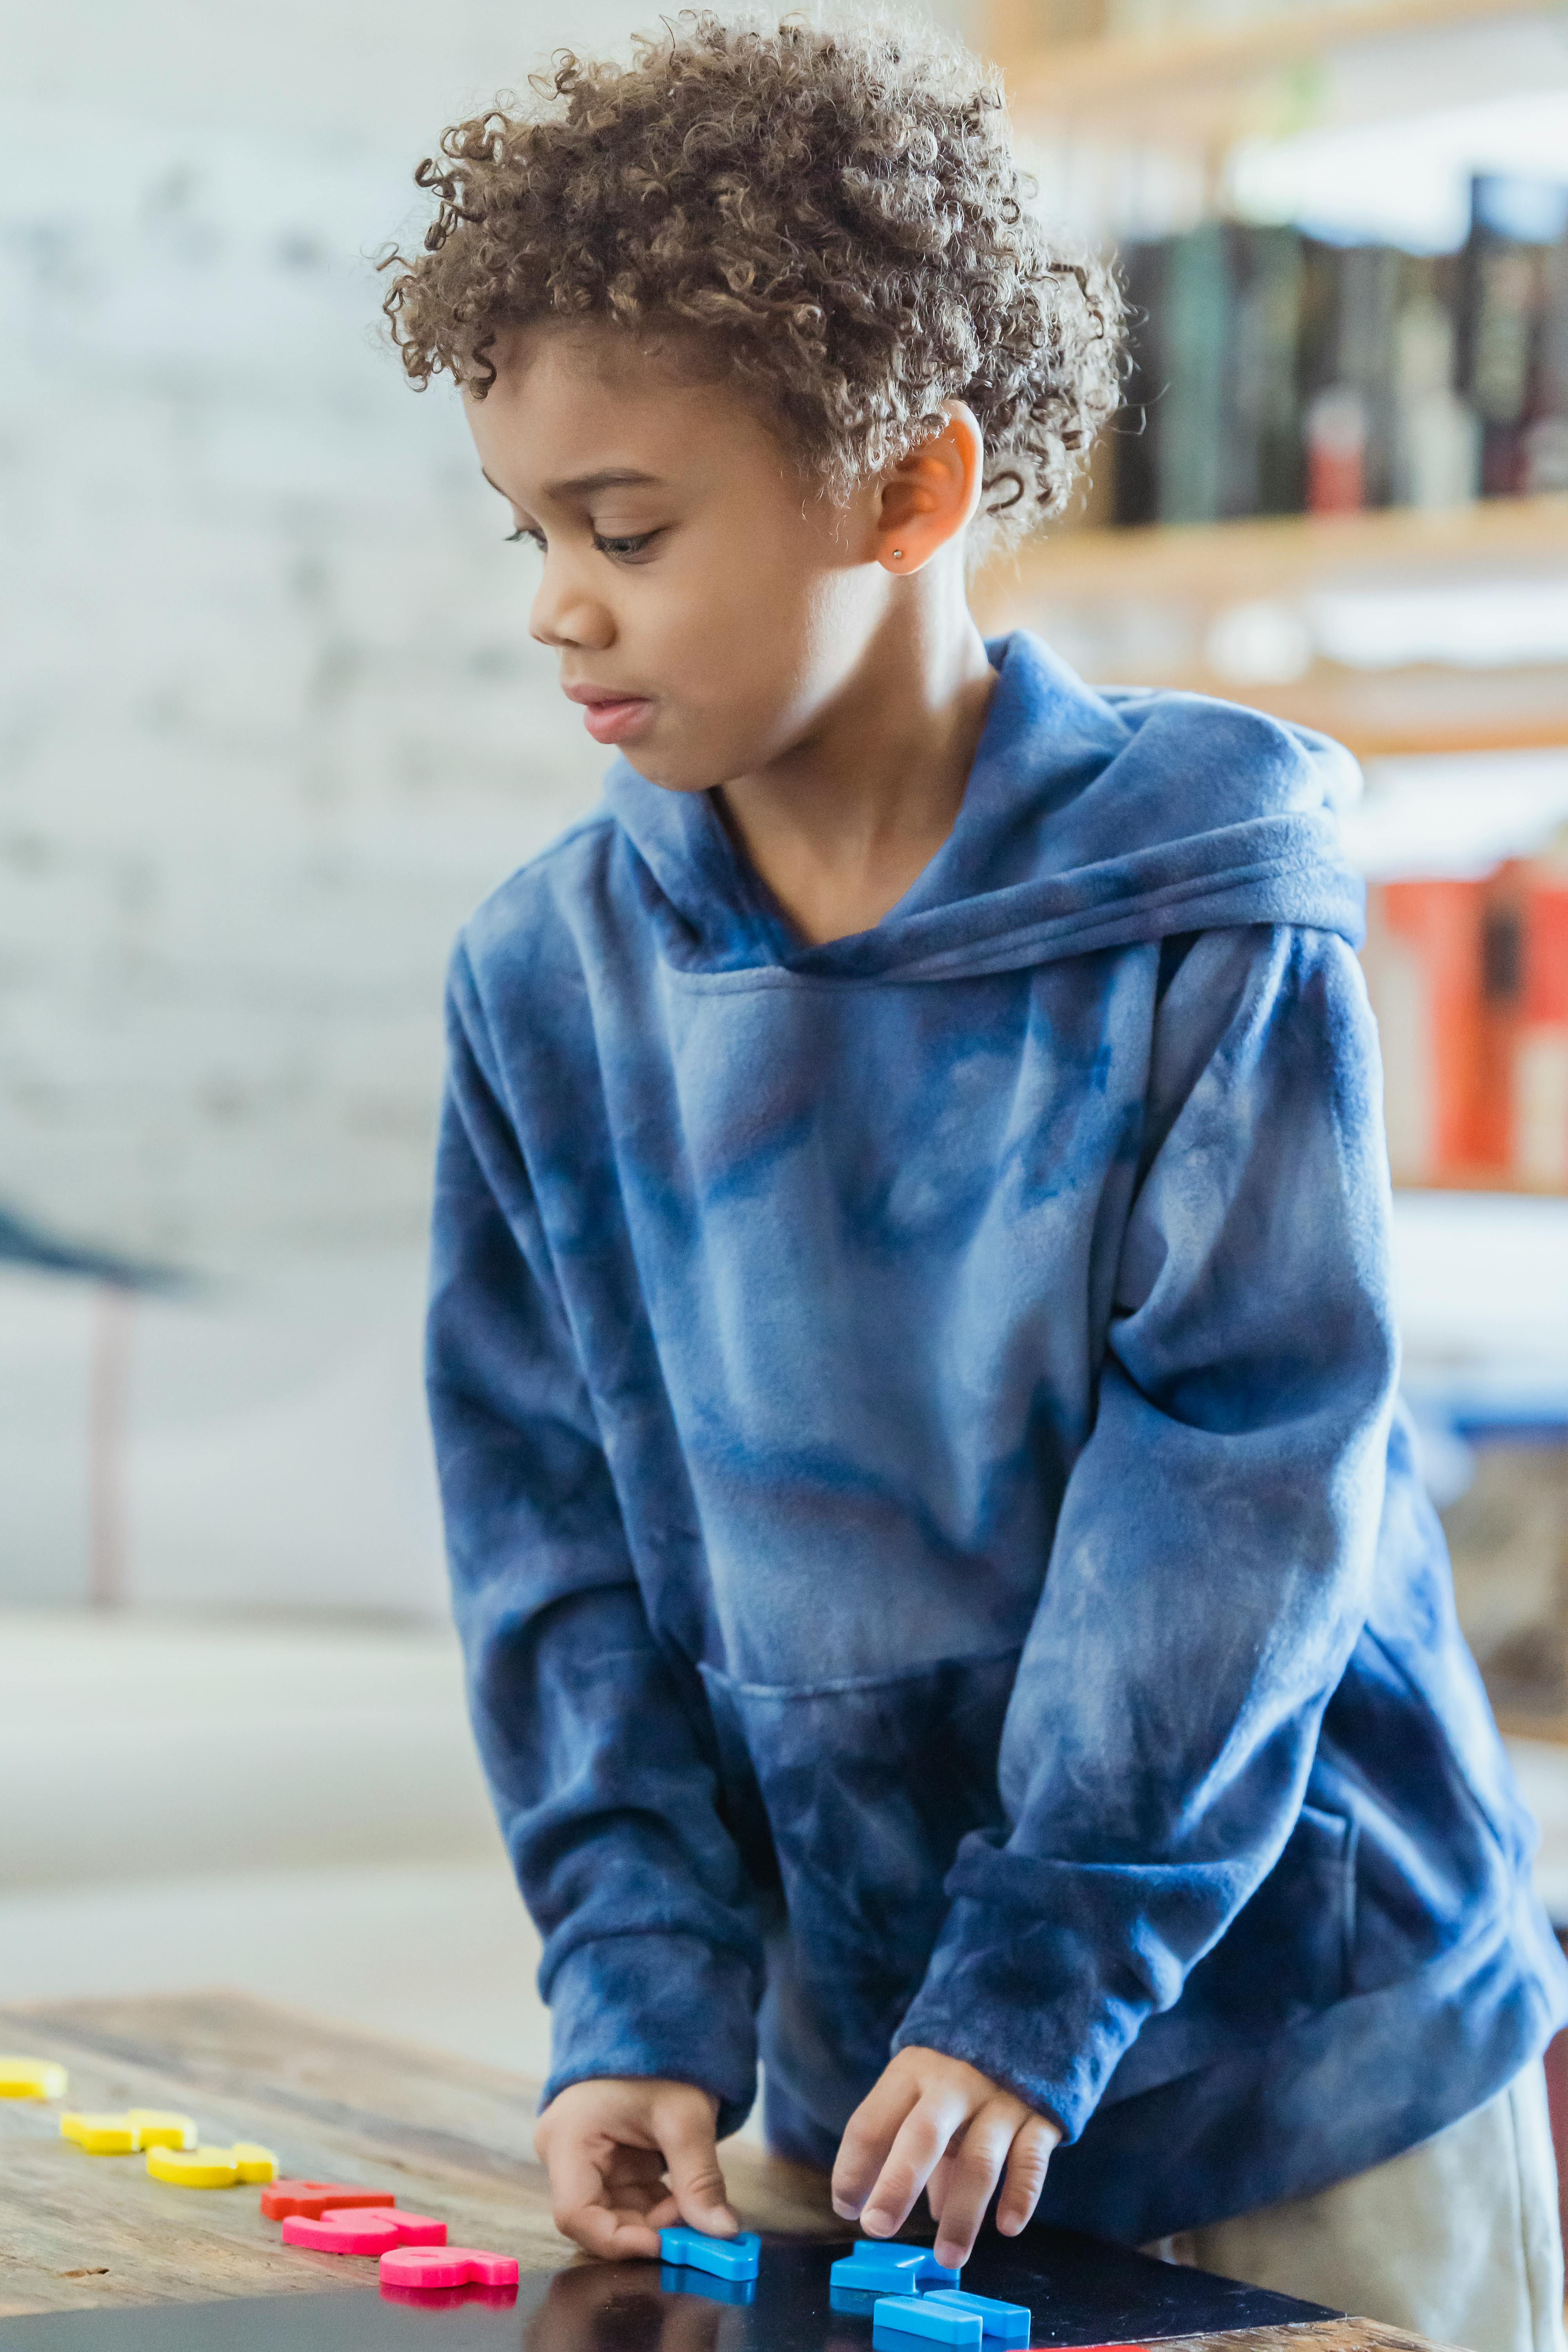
(929,497)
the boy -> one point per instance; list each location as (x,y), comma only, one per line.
(946,1590)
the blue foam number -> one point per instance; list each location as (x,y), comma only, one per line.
(725,2258)
(881,2267)
(921,2314)
(1004,2323)
(879,2270)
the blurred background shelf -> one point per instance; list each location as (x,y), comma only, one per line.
(1337,488)
(1261,554)
(1255,609)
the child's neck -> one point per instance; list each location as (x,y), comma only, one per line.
(845,821)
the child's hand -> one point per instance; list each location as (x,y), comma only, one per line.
(607,2145)
(934,2123)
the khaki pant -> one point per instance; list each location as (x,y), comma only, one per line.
(1457,2239)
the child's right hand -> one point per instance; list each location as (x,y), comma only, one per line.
(609,2143)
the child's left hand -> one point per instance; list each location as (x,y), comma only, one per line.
(936,2124)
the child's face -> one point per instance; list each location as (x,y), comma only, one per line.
(709,604)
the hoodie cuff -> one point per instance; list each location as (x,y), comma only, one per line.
(650,2004)
(1024,2000)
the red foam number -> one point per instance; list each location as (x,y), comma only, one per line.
(367,2232)
(314,2197)
(412,2267)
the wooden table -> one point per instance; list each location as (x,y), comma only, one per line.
(445,2135)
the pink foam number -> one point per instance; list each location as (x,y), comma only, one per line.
(362,2229)
(413,2266)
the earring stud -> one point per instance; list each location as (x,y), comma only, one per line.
(898,550)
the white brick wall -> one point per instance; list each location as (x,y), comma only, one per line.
(269,722)
(269,725)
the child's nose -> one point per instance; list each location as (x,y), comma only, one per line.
(565,612)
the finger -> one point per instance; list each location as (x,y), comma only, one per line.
(976,2168)
(691,2160)
(1026,2163)
(868,2137)
(642,2197)
(665,2214)
(583,2211)
(919,2147)
(937,2186)
(631,2175)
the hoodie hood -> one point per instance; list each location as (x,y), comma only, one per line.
(1090,820)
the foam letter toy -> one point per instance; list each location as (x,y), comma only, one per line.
(363,2230)
(212,2168)
(417,2266)
(727,2258)
(31,2078)
(317,2197)
(883,2267)
(128,2134)
(1002,2323)
(161,2127)
(879,2270)
(917,2314)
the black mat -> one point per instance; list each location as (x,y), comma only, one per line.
(1081,2291)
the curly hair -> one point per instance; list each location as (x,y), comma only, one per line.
(832,217)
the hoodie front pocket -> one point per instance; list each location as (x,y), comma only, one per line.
(867,1786)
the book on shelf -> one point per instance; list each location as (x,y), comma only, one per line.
(1211,425)
(1509,340)
(1469,984)
(1261,467)
(1547,435)
(1193,352)
(1271,372)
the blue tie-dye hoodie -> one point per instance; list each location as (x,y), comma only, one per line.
(937,1555)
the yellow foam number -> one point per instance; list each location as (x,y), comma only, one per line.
(31,2078)
(212,2168)
(100,2134)
(130,2133)
(162,2128)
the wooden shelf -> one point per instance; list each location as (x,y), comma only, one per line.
(1516,1724)
(1207,79)
(1267,554)
(1143,602)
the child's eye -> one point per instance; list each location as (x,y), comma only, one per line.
(535,538)
(624,548)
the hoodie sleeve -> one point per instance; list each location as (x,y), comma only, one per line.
(651,1963)
(1210,1570)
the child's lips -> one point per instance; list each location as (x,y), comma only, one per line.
(615,718)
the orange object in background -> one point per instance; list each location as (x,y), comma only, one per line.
(1469,984)
(1424,966)
(1539,1063)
